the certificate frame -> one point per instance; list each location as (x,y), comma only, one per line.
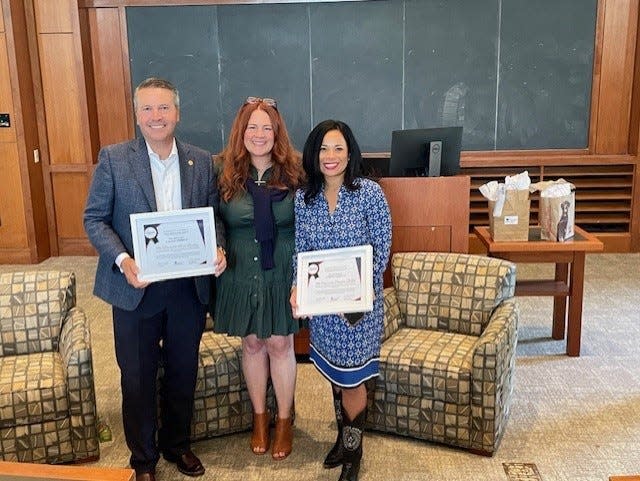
(174,244)
(335,281)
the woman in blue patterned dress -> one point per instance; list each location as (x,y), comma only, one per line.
(339,208)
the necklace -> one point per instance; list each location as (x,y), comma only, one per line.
(261,172)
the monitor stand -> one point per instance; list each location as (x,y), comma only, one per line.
(416,172)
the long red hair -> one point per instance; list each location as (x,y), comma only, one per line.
(235,160)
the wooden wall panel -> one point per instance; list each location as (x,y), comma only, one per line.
(23,212)
(63,99)
(1,19)
(616,76)
(13,229)
(28,128)
(70,194)
(55,16)
(7,134)
(111,99)
(635,212)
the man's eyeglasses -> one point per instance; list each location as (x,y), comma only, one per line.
(266,101)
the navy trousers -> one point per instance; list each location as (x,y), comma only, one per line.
(166,327)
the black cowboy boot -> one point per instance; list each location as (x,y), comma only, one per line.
(352,433)
(334,458)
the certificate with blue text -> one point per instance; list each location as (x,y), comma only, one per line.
(335,281)
(174,244)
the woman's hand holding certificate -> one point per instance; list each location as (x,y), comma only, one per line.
(335,281)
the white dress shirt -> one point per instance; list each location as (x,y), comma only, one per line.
(166,184)
(166,179)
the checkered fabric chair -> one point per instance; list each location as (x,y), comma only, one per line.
(47,396)
(221,404)
(448,351)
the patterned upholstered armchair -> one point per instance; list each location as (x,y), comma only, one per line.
(47,396)
(221,402)
(448,350)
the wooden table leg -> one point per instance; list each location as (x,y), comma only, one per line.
(560,303)
(576,288)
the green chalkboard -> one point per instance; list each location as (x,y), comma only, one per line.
(515,74)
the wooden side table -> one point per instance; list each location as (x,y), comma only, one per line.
(568,284)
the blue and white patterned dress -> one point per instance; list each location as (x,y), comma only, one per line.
(347,355)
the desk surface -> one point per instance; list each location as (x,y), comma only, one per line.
(10,471)
(582,241)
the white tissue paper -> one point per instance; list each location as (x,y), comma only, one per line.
(557,209)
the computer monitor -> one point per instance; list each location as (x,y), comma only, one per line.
(425,152)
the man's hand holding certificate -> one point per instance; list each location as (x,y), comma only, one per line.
(174,244)
(335,281)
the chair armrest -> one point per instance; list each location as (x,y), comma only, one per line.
(493,370)
(392,319)
(75,349)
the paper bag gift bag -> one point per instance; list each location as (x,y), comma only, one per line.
(557,216)
(513,222)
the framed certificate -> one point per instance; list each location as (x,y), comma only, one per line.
(335,281)
(174,244)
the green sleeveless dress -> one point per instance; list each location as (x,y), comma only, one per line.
(250,300)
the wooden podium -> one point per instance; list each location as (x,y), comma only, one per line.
(428,214)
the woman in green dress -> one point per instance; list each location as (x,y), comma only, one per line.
(258,172)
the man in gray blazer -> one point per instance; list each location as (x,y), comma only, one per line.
(160,322)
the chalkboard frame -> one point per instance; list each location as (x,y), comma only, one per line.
(158,3)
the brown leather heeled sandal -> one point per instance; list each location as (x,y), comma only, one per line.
(293,415)
(282,439)
(260,434)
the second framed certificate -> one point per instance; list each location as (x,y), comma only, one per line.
(335,281)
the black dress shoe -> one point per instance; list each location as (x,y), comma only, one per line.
(146,477)
(187,463)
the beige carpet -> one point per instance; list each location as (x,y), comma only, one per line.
(574,419)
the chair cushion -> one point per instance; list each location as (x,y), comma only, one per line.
(428,364)
(32,307)
(220,366)
(32,389)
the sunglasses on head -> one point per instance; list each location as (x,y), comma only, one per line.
(266,101)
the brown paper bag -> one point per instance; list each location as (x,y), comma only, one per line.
(513,224)
(557,217)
